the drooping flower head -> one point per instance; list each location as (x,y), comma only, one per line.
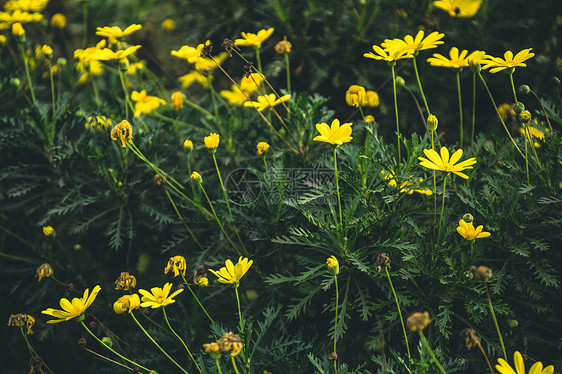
(127,303)
(177,264)
(233,273)
(355,95)
(334,134)
(503,366)
(158,297)
(21,320)
(446,164)
(459,8)
(467,230)
(125,281)
(509,61)
(254,40)
(74,308)
(122,131)
(44,271)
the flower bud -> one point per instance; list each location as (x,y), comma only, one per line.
(196,178)
(188,146)
(106,340)
(333,265)
(432,123)
(525,117)
(468,218)
(15,82)
(513,323)
(369,119)
(58,20)
(18,31)
(524,89)
(47,51)
(400,81)
(518,107)
(555,81)
(49,231)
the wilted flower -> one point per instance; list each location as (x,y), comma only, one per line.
(58,20)
(230,343)
(125,281)
(73,309)
(158,297)
(122,131)
(283,46)
(355,95)
(49,231)
(262,147)
(383,260)
(177,264)
(469,338)
(44,271)
(334,134)
(21,320)
(481,273)
(98,123)
(127,303)
(417,321)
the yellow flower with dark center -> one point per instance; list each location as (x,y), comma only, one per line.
(26,5)
(125,281)
(126,303)
(254,40)
(212,141)
(412,44)
(459,8)
(158,297)
(371,99)
(388,54)
(262,148)
(503,366)
(194,76)
(334,134)
(145,104)
(417,321)
(177,100)
(355,95)
(48,230)
(233,273)
(457,60)
(267,101)
(177,264)
(509,61)
(446,164)
(74,308)
(58,20)
(115,32)
(168,25)
(122,131)
(44,271)
(467,231)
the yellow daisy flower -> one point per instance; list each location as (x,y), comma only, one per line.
(158,297)
(26,5)
(144,103)
(446,164)
(388,54)
(235,96)
(504,368)
(509,61)
(456,61)
(412,44)
(74,308)
(267,101)
(188,53)
(459,8)
(212,141)
(334,134)
(233,273)
(115,32)
(467,231)
(194,76)
(254,40)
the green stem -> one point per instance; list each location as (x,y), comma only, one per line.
(197,299)
(156,344)
(112,350)
(218,365)
(336,321)
(27,74)
(181,219)
(96,91)
(31,350)
(53,97)
(337,185)
(222,185)
(512,84)
(266,170)
(473,107)
(442,207)
(495,320)
(434,187)
(180,339)
(238,303)
(126,92)
(18,258)
(460,105)
(258,58)
(420,86)
(399,312)
(84,24)
(422,337)
(526,158)
(396,113)
(471,249)
(234,365)
(288,72)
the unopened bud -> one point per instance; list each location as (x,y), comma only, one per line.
(518,107)
(556,81)
(432,123)
(524,89)
(106,340)
(468,218)
(61,61)
(15,82)
(400,81)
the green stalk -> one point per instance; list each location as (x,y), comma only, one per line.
(422,337)
(31,350)
(442,207)
(125,91)
(238,303)
(96,91)
(399,312)
(181,219)
(218,365)
(222,185)
(266,170)
(156,344)
(336,321)
(526,158)
(53,97)
(180,339)
(234,365)
(471,249)
(420,86)
(258,58)
(337,185)
(460,105)
(27,74)
(288,71)
(473,107)
(197,299)
(396,113)
(495,320)
(512,84)
(434,187)
(112,350)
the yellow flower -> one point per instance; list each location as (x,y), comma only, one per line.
(192,77)
(504,368)
(457,60)
(432,122)
(108,54)
(99,52)
(135,67)
(144,103)
(203,282)
(251,83)
(73,309)
(267,101)
(355,95)
(406,186)
(115,32)
(212,141)
(467,231)
(26,5)
(235,96)
(189,53)
(388,54)
(233,273)
(334,134)
(177,100)
(446,164)
(284,46)
(48,230)
(122,131)
(98,122)
(476,58)
(58,20)
(417,321)
(534,133)
(205,64)
(412,44)
(333,265)
(262,148)
(44,271)
(47,50)
(253,40)
(371,99)
(177,264)
(126,303)
(196,177)
(3,39)
(188,145)
(17,29)
(125,281)
(509,61)
(168,25)
(459,8)
(506,111)
(213,348)
(158,297)
(18,16)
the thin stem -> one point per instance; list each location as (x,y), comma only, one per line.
(29,82)
(181,219)
(96,91)
(222,185)
(234,365)
(238,303)
(543,109)
(180,339)
(495,320)
(471,249)
(473,107)
(125,91)
(53,97)
(513,85)
(266,170)
(218,365)
(434,187)
(485,356)
(420,86)
(399,312)
(460,105)
(112,350)
(31,350)
(258,58)
(442,207)
(288,71)
(396,113)
(337,184)
(422,337)
(107,358)
(156,344)
(336,320)
(526,158)
(197,299)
